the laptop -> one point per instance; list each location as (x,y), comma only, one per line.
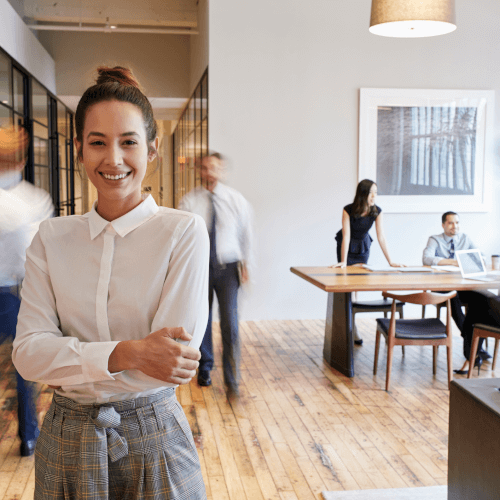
(472,266)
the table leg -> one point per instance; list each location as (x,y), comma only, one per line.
(338,348)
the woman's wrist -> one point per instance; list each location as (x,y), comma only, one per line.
(124,356)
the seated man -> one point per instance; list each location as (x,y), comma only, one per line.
(441,251)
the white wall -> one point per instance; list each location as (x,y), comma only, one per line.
(284,83)
(18,6)
(20,43)
(199,47)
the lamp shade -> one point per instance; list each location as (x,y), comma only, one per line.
(412,18)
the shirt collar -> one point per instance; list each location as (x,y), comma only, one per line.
(126,223)
(449,238)
(10,179)
(218,189)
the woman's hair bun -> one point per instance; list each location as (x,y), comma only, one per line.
(118,74)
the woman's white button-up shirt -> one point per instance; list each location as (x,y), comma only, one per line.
(91,283)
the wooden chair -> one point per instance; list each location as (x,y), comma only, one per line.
(383,305)
(484,331)
(424,331)
(438,316)
(439,307)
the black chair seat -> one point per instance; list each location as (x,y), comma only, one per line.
(427,328)
(377,305)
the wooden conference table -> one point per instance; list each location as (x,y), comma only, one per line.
(339,283)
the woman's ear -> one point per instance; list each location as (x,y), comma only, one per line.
(153,149)
(78,147)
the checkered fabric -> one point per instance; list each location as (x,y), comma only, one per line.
(128,450)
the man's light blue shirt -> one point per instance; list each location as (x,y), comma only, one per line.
(439,247)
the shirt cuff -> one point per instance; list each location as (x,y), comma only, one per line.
(436,260)
(95,361)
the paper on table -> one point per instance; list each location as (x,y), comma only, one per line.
(450,269)
(411,269)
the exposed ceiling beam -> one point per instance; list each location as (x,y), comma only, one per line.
(155,13)
(112,28)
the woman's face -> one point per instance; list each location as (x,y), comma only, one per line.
(114,150)
(372,195)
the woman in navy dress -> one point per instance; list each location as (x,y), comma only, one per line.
(353,240)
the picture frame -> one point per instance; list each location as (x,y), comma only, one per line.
(427,150)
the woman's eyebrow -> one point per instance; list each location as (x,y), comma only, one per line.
(98,134)
(125,134)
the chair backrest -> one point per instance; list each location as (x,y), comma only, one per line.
(422,298)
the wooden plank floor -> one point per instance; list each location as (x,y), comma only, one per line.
(299,427)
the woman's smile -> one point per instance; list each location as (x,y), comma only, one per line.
(115,177)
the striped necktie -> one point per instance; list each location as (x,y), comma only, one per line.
(452,250)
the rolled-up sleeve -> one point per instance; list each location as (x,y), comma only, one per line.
(41,352)
(429,257)
(184,298)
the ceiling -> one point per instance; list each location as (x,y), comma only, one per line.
(158,15)
(129,16)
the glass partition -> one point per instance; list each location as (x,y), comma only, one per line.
(24,102)
(40,104)
(5,116)
(5,80)
(41,156)
(18,92)
(190,141)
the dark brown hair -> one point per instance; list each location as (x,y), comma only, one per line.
(115,84)
(217,155)
(445,216)
(360,204)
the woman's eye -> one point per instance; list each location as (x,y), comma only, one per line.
(130,143)
(96,143)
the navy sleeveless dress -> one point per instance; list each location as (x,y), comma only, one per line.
(359,247)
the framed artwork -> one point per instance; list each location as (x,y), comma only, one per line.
(427,150)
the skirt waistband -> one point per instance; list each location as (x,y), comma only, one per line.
(102,420)
(118,406)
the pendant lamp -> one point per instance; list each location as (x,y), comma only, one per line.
(412,18)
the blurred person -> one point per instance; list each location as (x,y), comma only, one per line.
(22,208)
(354,240)
(114,307)
(441,251)
(229,221)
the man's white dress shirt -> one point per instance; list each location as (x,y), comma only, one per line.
(91,283)
(439,247)
(233,220)
(22,208)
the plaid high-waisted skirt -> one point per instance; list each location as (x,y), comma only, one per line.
(129,450)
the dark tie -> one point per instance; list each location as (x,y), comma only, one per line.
(213,247)
(452,250)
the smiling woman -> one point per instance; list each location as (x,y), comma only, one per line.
(115,140)
(115,152)
(114,308)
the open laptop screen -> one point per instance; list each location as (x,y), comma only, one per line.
(470,262)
